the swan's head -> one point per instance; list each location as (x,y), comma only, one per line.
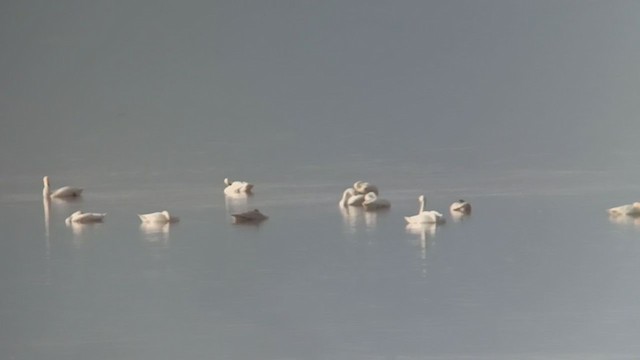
(370,196)
(45,181)
(421,198)
(227,182)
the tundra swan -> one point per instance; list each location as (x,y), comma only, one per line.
(363,187)
(629,209)
(460,206)
(253,216)
(162,217)
(351,198)
(84,218)
(424,216)
(373,202)
(63,192)
(237,187)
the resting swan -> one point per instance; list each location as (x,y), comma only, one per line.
(363,187)
(253,216)
(63,192)
(424,216)
(350,198)
(84,218)
(237,187)
(162,217)
(630,209)
(373,202)
(460,206)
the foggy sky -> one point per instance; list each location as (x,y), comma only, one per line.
(507,75)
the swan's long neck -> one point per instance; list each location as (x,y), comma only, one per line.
(45,190)
(345,197)
(422,205)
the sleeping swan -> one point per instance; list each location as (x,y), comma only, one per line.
(79,217)
(237,187)
(424,216)
(162,217)
(350,198)
(253,216)
(630,209)
(373,202)
(63,192)
(460,206)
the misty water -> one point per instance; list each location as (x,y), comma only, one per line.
(526,110)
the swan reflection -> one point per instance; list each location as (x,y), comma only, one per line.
(425,231)
(354,217)
(625,220)
(46,205)
(236,202)
(156,232)
(78,228)
(458,216)
(370,219)
(350,216)
(82,231)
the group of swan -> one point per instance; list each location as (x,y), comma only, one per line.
(242,188)
(363,194)
(366,195)
(79,217)
(154,218)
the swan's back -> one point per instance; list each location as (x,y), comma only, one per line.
(249,216)
(372,202)
(237,187)
(85,218)
(426,217)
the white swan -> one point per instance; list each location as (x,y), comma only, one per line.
(629,209)
(351,198)
(373,202)
(424,216)
(253,216)
(237,187)
(161,217)
(460,206)
(63,192)
(363,187)
(84,218)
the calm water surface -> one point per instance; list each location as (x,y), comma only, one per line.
(530,275)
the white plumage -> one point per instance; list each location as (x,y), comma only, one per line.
(237,187)
(424,216)
(161,217)
(63,192)
(84,218)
